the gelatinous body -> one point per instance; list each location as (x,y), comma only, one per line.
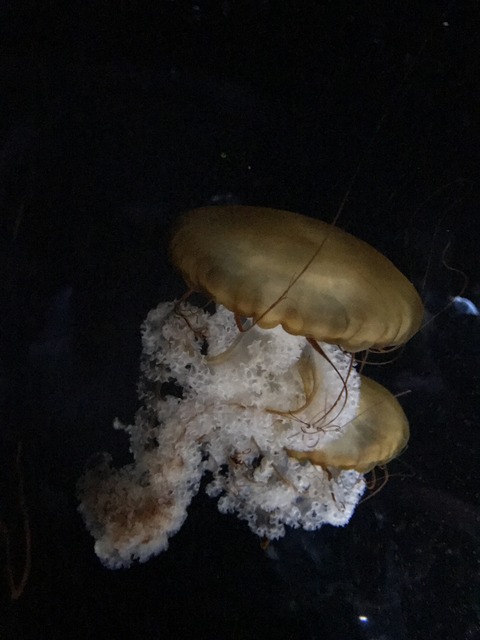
(284,426)
(282,268)
(378,433)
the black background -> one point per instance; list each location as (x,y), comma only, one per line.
(116,117)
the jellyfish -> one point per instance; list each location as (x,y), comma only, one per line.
(263,392)
(279,267)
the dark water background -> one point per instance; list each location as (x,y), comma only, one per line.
(115,117)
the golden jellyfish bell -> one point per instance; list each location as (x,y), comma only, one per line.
(377,434)
(282,268)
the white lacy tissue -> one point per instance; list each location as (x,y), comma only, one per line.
(229,403)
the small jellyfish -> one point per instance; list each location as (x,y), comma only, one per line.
(377,434)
